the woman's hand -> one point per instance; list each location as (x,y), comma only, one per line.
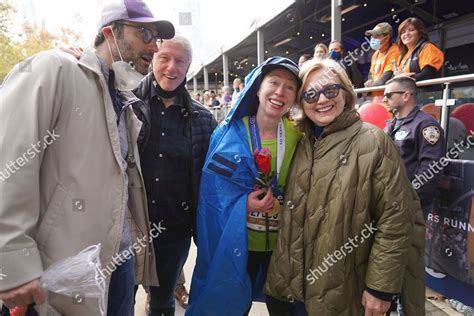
(400,73)
(374,306)
(254,204)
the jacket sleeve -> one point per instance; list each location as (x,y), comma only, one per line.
(429,154)
(29,104)
(394,205)
(426,73)
(220,284)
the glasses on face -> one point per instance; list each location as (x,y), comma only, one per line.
(312,95)
(389,95)
(148,35)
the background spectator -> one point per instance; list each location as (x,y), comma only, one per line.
(420,58)
(303,58)
(385,52)
(337,53)
(321,51)
(236,85)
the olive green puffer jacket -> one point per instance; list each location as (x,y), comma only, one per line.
(351,220)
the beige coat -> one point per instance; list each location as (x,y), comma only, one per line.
(67,193)
(351,220)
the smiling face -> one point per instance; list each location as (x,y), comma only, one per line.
(277,93)
(170,65)
(324,111)
(410,36)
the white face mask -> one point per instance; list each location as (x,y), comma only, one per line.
(126,77)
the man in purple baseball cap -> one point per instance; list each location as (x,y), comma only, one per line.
(133,11)
(85,186)
(133,17)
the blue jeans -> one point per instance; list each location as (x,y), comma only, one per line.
(170,259)
(121,290)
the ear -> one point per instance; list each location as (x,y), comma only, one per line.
(108,31)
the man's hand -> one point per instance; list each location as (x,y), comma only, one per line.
(401,73)
(374,306)
(264,205)
(77,52)
(24,295)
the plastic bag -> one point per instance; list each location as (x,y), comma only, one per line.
(78,277)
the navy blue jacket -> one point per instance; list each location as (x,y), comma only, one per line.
(420,140)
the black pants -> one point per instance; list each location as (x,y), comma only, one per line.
(259,261)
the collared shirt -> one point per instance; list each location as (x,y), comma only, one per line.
(166,164)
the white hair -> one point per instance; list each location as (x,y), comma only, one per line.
(181,39)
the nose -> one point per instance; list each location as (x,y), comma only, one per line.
(280,90)
(322,98)
(385,99)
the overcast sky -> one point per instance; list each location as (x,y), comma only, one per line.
(214,23)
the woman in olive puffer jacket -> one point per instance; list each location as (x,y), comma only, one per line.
(351,232)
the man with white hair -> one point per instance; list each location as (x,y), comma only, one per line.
(173,144)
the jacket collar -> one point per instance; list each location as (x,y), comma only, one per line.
(146,91)
(90,61)
(347,118)
(178,100)
(406,120)
(411,116)
(343,129)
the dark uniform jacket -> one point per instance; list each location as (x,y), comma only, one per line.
(420,140)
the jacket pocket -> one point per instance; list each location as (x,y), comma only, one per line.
(50,216)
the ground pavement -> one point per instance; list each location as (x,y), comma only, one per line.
(433,308)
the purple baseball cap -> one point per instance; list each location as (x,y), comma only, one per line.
(133,11)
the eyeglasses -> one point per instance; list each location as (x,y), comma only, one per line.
(389,95)
(148,35)
(312,95)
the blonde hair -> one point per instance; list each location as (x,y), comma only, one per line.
(324,47)
(331,68)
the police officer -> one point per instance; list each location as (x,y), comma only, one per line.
(418,136)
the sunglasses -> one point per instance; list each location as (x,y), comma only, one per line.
(148,35)
(312,95)
(389,95)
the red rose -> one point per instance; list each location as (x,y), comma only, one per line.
(263,160)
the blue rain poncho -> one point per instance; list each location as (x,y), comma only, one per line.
(220,284)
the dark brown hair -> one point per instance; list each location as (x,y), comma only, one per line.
(100,38)
(419,26)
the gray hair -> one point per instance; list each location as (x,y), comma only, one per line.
(181,39)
